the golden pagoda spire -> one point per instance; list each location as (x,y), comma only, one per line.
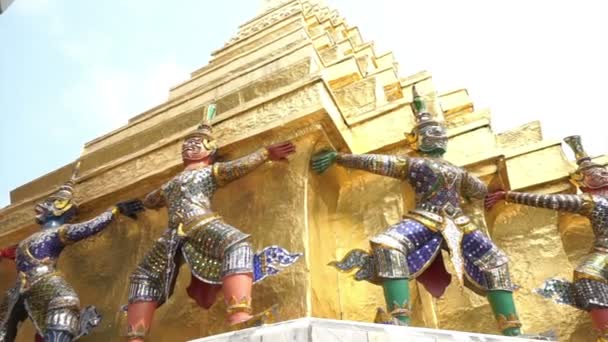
(269,4)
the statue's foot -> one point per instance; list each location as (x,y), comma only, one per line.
(267,316)
(382,317)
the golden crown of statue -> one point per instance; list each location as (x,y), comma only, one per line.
(422,115)
(66,190)
(588,174)
(63,199)
(205,129)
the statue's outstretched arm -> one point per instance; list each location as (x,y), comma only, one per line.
(385,165)
(71,233)
(579,204)
(8,253)
(226,172)
(473,187)
(154,200)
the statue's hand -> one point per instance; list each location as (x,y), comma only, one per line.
(321,161)
(8,253)
(493,198)
(130,208)
(280,151)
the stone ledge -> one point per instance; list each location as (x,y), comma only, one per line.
(327,330)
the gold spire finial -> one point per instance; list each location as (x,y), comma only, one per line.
(267,5)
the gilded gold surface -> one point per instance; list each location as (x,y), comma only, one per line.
(525,170)
(275,81)
(357,98)
(521,136)
(457,101)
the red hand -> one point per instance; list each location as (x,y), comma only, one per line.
(493,198)
(8,253)
(280,151)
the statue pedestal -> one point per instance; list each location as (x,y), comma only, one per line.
(327,330)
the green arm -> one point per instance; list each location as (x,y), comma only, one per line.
(390,166)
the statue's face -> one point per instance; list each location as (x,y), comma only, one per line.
(197,148)
(594,180)
(53,208)
(44,211)
(432,139)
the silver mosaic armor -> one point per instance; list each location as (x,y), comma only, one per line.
(49,301)
(406,249)
(212,248)
(590,288)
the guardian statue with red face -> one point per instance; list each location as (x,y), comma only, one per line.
(220,256)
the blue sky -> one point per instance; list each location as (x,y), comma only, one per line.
(71,71)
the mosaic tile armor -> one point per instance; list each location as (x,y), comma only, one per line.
(590,287)
(408,248)
(41,293)
(197,235)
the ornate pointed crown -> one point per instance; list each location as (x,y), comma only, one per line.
(421,113)
(66,191)
(61,201)
(588,174)
(575,143)
(205,127)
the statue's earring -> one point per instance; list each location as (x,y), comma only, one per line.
(411,138)
(210,145)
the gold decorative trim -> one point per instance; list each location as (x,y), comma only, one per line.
(588,204)
(242,305)
(138,333)
(182,229)
(62,232)
(508,322)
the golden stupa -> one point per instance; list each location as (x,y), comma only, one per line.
(299,71)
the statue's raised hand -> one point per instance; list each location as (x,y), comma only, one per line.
(8,253)
(130,208)
(280,151)
(493,198)
(321,161)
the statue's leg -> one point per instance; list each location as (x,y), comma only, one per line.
(599,317)
(237,280)
(237,296)
(503,306)
(391,251)
(397,297)
(145,293)
(58,336)
(488,267)
(139,319)
(147,286)
(390,264)
(591,290)
(204,294)
(62,324)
